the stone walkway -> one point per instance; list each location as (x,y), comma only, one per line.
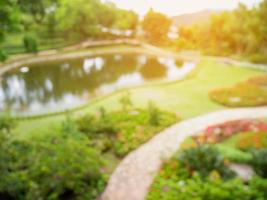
(134,175)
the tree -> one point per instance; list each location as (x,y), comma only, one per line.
(156,27)
(9,15)
(80,17)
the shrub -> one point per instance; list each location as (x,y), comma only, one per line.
(233,154)
(30,43)
(126,101)
(154,114)
(209,189)
(3,55)
(260,185)
(6,122)
(204,159)
(124,130)
(53,167)
(92,125)
(259,162)
(135,127)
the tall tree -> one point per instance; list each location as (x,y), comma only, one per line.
(9,20)
(156,27)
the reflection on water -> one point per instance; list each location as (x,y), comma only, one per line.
(58,85)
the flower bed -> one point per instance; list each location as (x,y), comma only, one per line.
(219,132)
(250,93)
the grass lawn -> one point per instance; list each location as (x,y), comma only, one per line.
(188,98)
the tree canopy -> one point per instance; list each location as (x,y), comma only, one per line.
(242,31)
(156,27)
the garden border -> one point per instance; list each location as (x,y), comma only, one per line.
(133,177)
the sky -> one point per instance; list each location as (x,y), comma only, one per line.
(177,7)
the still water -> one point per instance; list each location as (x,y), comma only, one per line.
(58,85)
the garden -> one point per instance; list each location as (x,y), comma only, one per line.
(92,94)
(202,168)
(86,149)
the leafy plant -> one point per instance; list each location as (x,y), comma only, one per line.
(6,122)
(51,167)
(154,114)
(30,43)
(210,188)
(126,101)
(203,160)
(259,162)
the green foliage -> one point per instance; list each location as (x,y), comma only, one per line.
(6,123)
(241,31)
(176,182)
(3,55)
(123,130)
(259,184)
(156,27)
(154,114)
(233,154)
(259,162)
(209,189)
(126,101)
(9,22)
(30,43)
(204,159)
(126,20)
(50,167)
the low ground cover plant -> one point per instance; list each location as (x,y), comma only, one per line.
(249,93)
(259,162)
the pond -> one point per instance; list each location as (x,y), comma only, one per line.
(63,84)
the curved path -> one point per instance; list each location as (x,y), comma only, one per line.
(134,175)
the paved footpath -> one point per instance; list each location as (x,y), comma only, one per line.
(134,175)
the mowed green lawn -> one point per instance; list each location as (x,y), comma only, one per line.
(187,98)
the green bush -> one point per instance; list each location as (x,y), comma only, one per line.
(3,55)
(125,129)
(126,101)
(204,159)
(52,167)
(30,43)
(154,114)
(6,122)
(259,162)
(211,188)
(259,184)
(233,154)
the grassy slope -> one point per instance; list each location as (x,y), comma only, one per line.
(187,98)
